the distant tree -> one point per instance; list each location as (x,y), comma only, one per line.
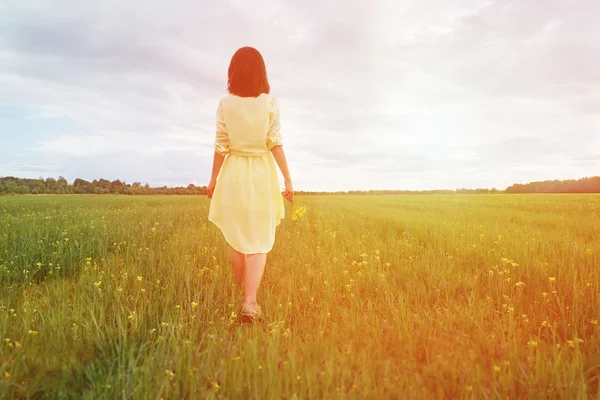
(104,184)
(22,190)
(116,186)
(61,185)
(80,183)
(11,186)
(36,185)
(51,185)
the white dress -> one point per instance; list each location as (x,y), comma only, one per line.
(247,204)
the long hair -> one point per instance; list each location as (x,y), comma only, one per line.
(247,75)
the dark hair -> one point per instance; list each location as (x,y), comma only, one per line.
(247,75)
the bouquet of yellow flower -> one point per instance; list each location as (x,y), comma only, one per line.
(298,211)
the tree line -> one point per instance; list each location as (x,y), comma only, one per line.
(12,185)
(583,185)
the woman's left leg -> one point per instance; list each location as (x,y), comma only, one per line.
(238,263)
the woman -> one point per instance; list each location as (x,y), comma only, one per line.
(246,202)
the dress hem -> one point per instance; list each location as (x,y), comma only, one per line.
(234,247)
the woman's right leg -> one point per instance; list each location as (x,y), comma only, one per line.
(255,267)
(238,262)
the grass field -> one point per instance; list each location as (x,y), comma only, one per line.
(472,296)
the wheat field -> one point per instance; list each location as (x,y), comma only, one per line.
(400,296)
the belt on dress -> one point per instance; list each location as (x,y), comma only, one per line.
(247,153)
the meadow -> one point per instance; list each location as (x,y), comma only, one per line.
(400,296)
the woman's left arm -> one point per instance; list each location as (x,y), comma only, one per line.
(217,164)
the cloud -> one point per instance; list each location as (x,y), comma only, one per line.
(418,94)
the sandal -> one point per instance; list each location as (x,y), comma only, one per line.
(249,313)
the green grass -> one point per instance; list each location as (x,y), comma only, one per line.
(472,296)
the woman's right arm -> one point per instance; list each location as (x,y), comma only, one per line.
(279,156)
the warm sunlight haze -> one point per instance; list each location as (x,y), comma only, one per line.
(300,199)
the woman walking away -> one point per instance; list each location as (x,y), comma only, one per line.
(246,202)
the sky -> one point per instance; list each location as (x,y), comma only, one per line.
(417,94)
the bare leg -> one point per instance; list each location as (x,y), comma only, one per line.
(255,267)
(238,263)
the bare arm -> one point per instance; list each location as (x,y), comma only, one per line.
(221,149)
(279,156)
(217,164)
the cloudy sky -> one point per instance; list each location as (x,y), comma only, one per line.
(417,94)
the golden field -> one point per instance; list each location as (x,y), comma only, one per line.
(399,296)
